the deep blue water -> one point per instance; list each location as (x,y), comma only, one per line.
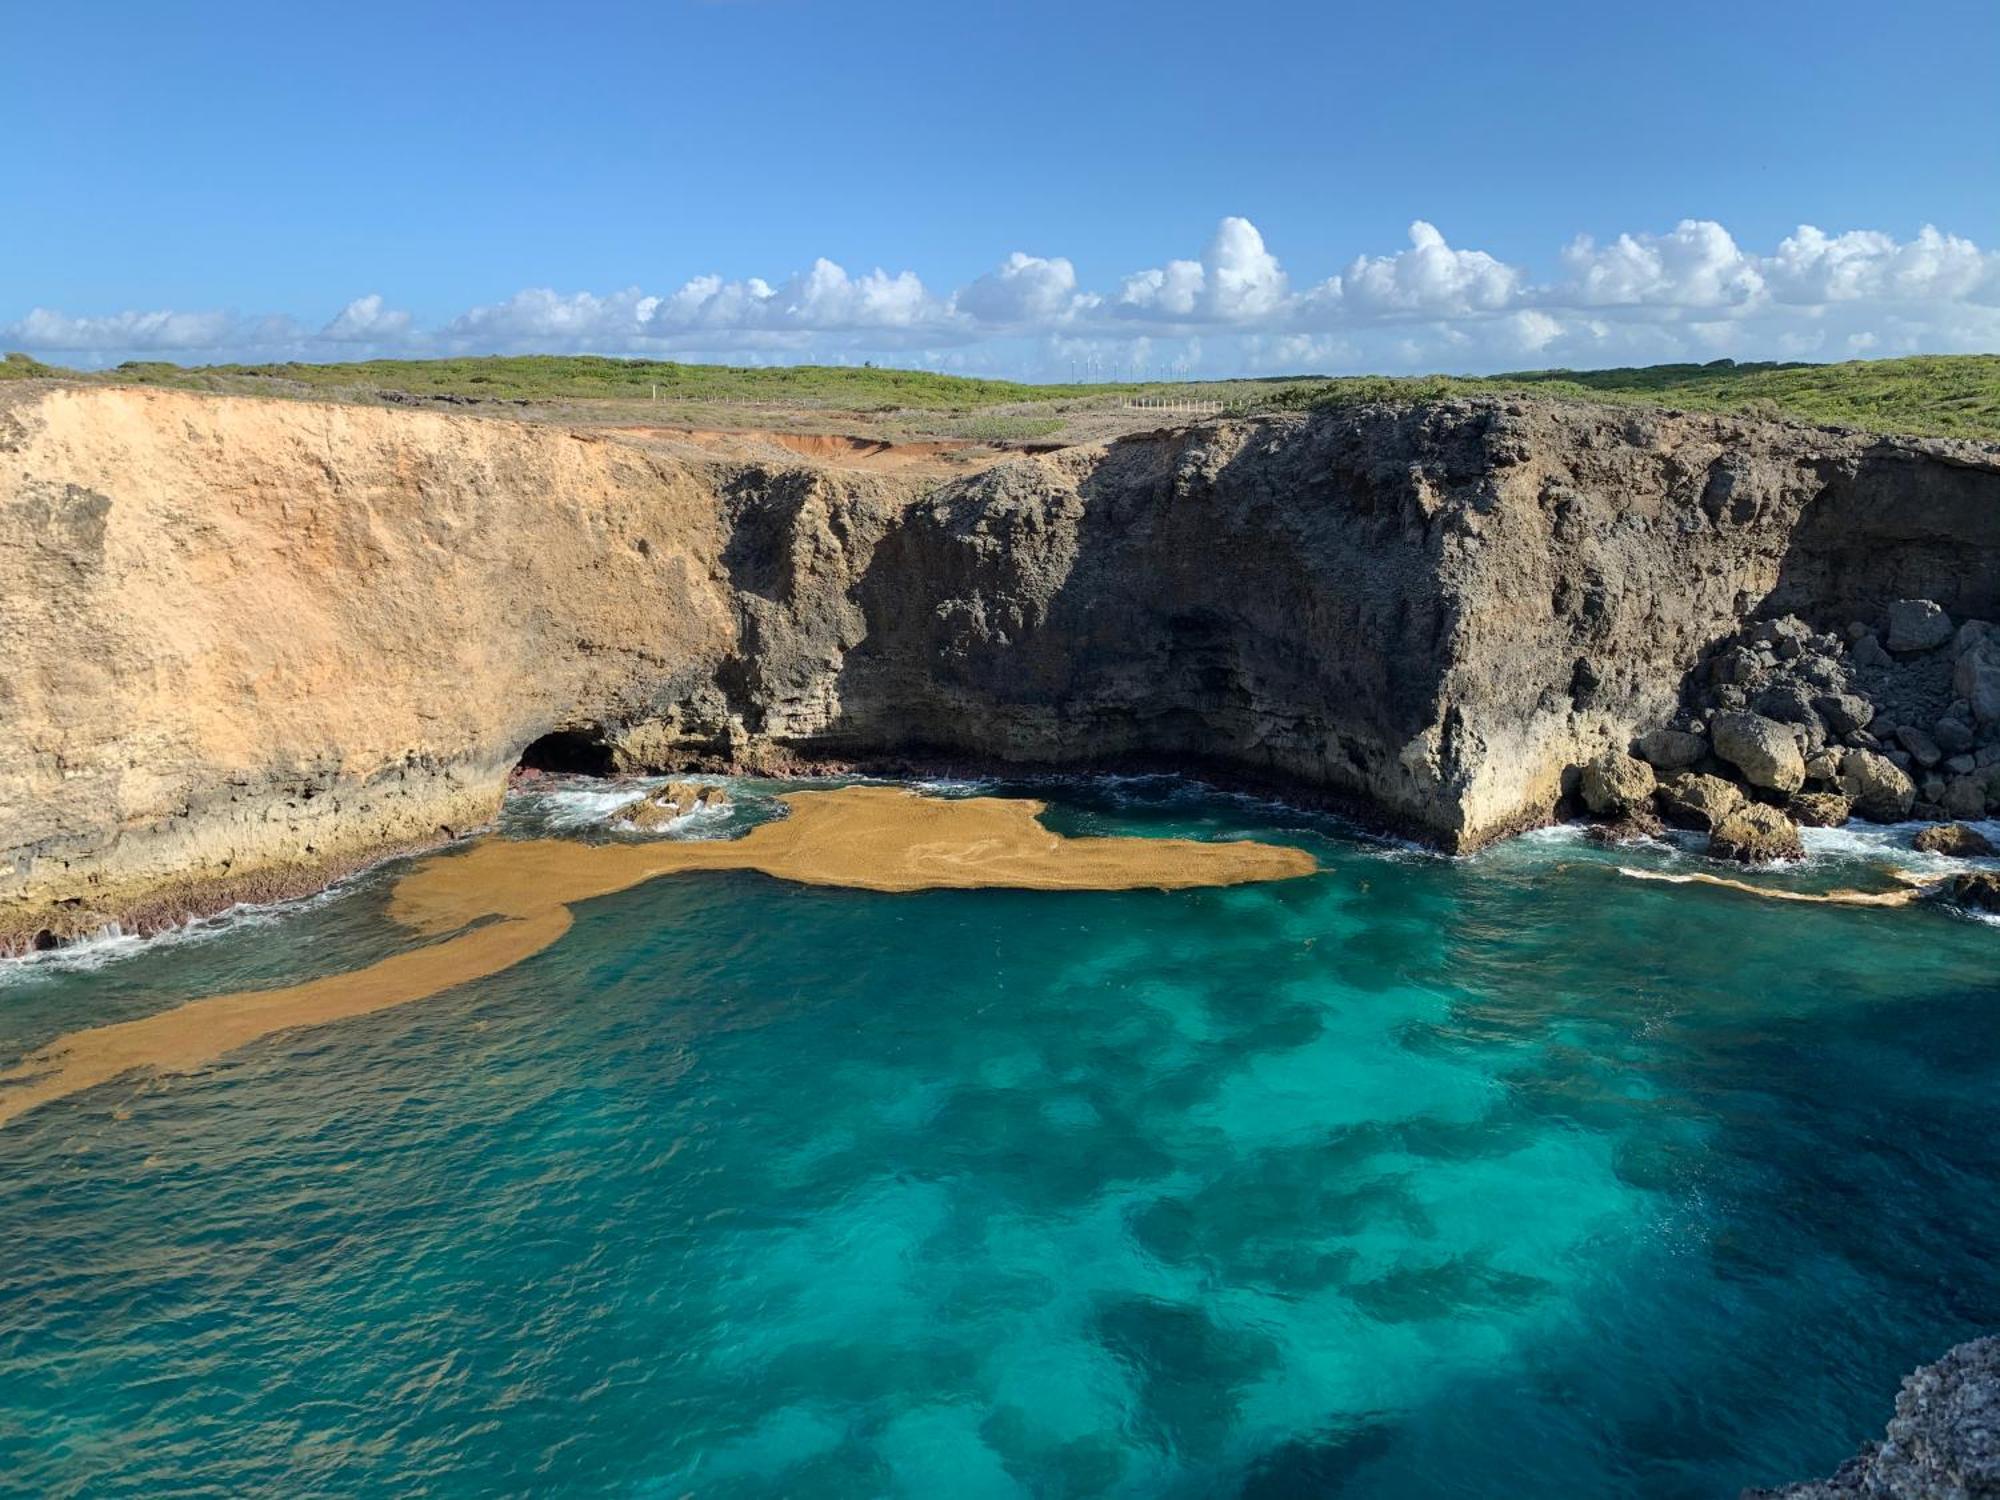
(1505,1176)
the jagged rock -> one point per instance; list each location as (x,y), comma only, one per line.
(1635,826)
(1672,749)
(1917,625)
(1762,749)
(1952,838)
(1823,766)
(1923,749)
(1953,735)
(1978,891)
(1844,713)
(1697,801)
(1943,1443)
(1880,790)
(1973,794)
(674,800)
(1868,652)
(1614,783)
(1976,679)
(1819,809)
(1789,702)
(1861,739)
(1755,834)
(1930,789)
(1900,759)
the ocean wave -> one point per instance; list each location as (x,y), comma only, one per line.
(112,944)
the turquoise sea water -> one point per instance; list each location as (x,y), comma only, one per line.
(1507,1176)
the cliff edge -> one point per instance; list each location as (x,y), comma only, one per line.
(255,642)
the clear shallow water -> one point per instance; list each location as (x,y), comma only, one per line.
(1506,1176)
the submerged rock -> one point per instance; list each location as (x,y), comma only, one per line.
(1942,1444)
(674,800)
(1952,838)
(1979,891)
(1756,834)
(1634,827)
(1762,749)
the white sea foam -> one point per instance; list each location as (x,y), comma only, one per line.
(112,944)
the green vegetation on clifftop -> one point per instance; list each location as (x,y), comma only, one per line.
(1946,395)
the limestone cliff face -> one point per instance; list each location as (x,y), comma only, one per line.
(255,641)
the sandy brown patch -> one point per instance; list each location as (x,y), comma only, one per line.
(1913,891)
(870,838)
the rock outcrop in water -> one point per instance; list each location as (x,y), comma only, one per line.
(1942,1444)
(257,641)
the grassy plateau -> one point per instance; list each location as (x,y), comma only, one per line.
(1946,395)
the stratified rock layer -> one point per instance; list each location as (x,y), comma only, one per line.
(254,641)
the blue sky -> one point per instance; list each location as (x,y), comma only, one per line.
(1219,188)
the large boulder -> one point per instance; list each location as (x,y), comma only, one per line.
(1970,795)
(1923,749)
(1976,679)
(1615,783)
(1979,891)
(1697,801)
(1762,749)
(1917,625)
(1880,790)
(1819,809)
(1671,749)
(1843,713)
(1756,834)
(1953,838)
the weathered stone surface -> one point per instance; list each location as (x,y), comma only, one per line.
(1922,748)
(1819,809)
(1917,625)
(1979,891)
(1671,749)
(1633,827)
(1952,838)
(317,632)
(1943,1443)
(1844,713)
(1614,783)
(1698,801)
(1756,833)
(1762,749)
(1969,795)
(1954,736)
(1880,790)
(1976,679)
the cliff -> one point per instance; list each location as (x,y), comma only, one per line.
(255,642)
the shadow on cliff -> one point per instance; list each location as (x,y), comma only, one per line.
(1901,524)
(1192,599)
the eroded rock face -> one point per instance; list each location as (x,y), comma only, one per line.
(319,632)
(1943,1443)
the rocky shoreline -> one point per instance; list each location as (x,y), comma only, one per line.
(322,633)
(1782,727)
(1943,1443)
